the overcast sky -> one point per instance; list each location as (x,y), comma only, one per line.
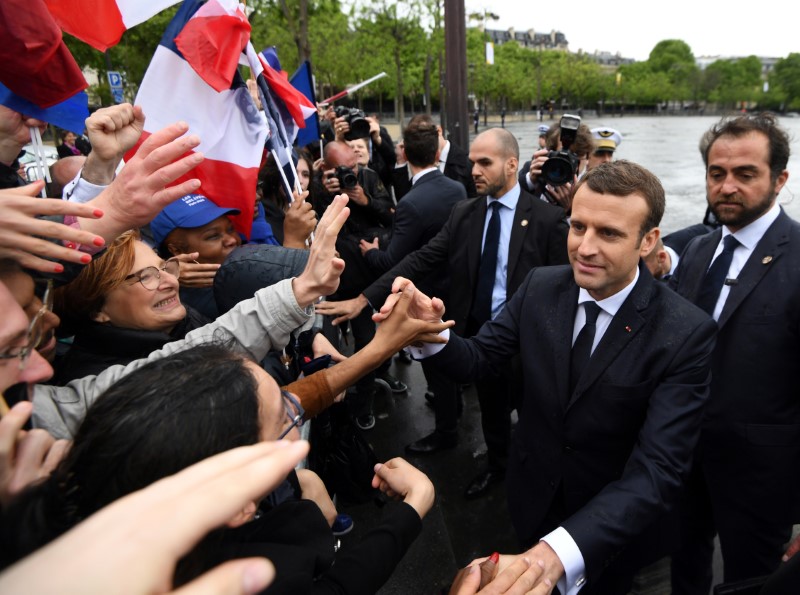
(762,27)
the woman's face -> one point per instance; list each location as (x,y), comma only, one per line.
(70,138)
(304,173)
(133,306)
(213,241)
(274,419)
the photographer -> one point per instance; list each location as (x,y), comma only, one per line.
(371,215)
(351,124)
(531,178)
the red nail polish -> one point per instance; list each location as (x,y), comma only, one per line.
(58,268)
(86,259)
(494,558)
(98,241)
(97,213)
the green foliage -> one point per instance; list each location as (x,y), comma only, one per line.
(785,82)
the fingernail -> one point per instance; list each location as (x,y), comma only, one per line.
(183,125)
(494,558)
(98,241)
(195,184)
(548,582)
(97,213)
(470,569)
(197,157)
(540,563)
(58,268)
(86,259)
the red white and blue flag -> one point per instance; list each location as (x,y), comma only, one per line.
(186,81)
(37,70)
(101,23)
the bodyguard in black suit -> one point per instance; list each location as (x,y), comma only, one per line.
(456,167)
(744,484)
(419,217)
(616,373)
(536,236)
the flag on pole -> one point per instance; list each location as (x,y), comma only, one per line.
(101,23)
(231,128)
(291,102)
(34,62)
(303,82)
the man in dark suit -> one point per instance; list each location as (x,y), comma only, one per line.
(616,374)
(419,217)
(532,233)
(453,163)
(745,477)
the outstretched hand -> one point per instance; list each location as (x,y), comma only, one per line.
(324,267)
(112,131)
(520,577)
(399,479)
(344,309)
(140,190)
(23,236)
(404,324)
(421,307)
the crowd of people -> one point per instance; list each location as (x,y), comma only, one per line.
(158,367)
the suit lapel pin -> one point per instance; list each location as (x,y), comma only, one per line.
(766,260)
(627,329)
(524,222)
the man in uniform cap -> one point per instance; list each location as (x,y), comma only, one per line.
(606,141)
(543,128)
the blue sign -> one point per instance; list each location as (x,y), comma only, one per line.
(117,94)
(114,79)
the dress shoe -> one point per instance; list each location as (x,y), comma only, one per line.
(483,482)
(432,443)
(391,383)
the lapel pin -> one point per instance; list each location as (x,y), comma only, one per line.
(627,329)
(766,260)
(524,222)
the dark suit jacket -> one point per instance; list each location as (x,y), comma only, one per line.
(607,461)
(538,238)
(458,167)
(751,434)
(418,218)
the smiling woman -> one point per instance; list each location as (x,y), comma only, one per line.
(121,307)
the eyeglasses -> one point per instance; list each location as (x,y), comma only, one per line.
(35,332)
(150,277)
(294,412)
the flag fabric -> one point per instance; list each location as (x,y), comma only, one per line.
(70,114)
(231,128)
(34,62)
(303,82)
(101,23)
(287,97)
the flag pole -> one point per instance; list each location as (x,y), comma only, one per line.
(354,88)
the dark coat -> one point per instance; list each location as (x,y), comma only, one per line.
(607,461)
(750,446)
(418,218)
(458,167)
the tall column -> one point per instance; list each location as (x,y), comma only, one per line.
(455,39)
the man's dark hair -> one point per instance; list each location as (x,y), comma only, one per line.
(583,144)
(421,138)
(623,178)
(156,421)
(766,124)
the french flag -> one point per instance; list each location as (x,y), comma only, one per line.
(101,23)
(294,107)
(178,86)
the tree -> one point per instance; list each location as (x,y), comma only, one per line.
(785,80)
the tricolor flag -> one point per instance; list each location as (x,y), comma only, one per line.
(35,65)
(293,106)
(231,128)
(101,23)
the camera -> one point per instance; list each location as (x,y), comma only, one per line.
(359,127)
(346,176)
(561,166)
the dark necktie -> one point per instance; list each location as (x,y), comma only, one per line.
(482,305)
(715,277)
(582,349)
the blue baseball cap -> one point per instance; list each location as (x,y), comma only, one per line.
(190,211)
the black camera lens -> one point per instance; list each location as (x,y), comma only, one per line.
(560,168)
(359,128)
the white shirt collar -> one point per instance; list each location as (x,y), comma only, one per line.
(611,304)
(418,175)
